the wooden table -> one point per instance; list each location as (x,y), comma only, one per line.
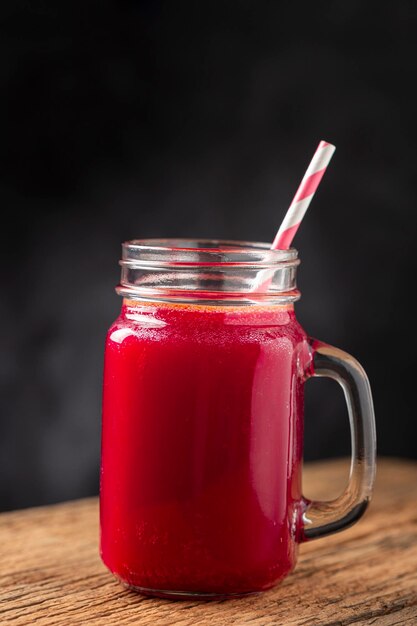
(51,573)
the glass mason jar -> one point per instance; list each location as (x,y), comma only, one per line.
(202,435)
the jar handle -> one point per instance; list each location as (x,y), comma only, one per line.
(322,518)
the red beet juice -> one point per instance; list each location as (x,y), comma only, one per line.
(202,447)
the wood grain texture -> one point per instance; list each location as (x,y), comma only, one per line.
(51,573)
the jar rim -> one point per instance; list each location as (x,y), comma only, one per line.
(204,252)
(207,270)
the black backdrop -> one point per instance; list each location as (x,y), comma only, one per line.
(137,119)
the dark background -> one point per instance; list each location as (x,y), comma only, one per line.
(199,118)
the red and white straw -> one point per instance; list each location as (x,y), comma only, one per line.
(297,209)
(304,196)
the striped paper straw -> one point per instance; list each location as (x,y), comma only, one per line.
(304,196)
